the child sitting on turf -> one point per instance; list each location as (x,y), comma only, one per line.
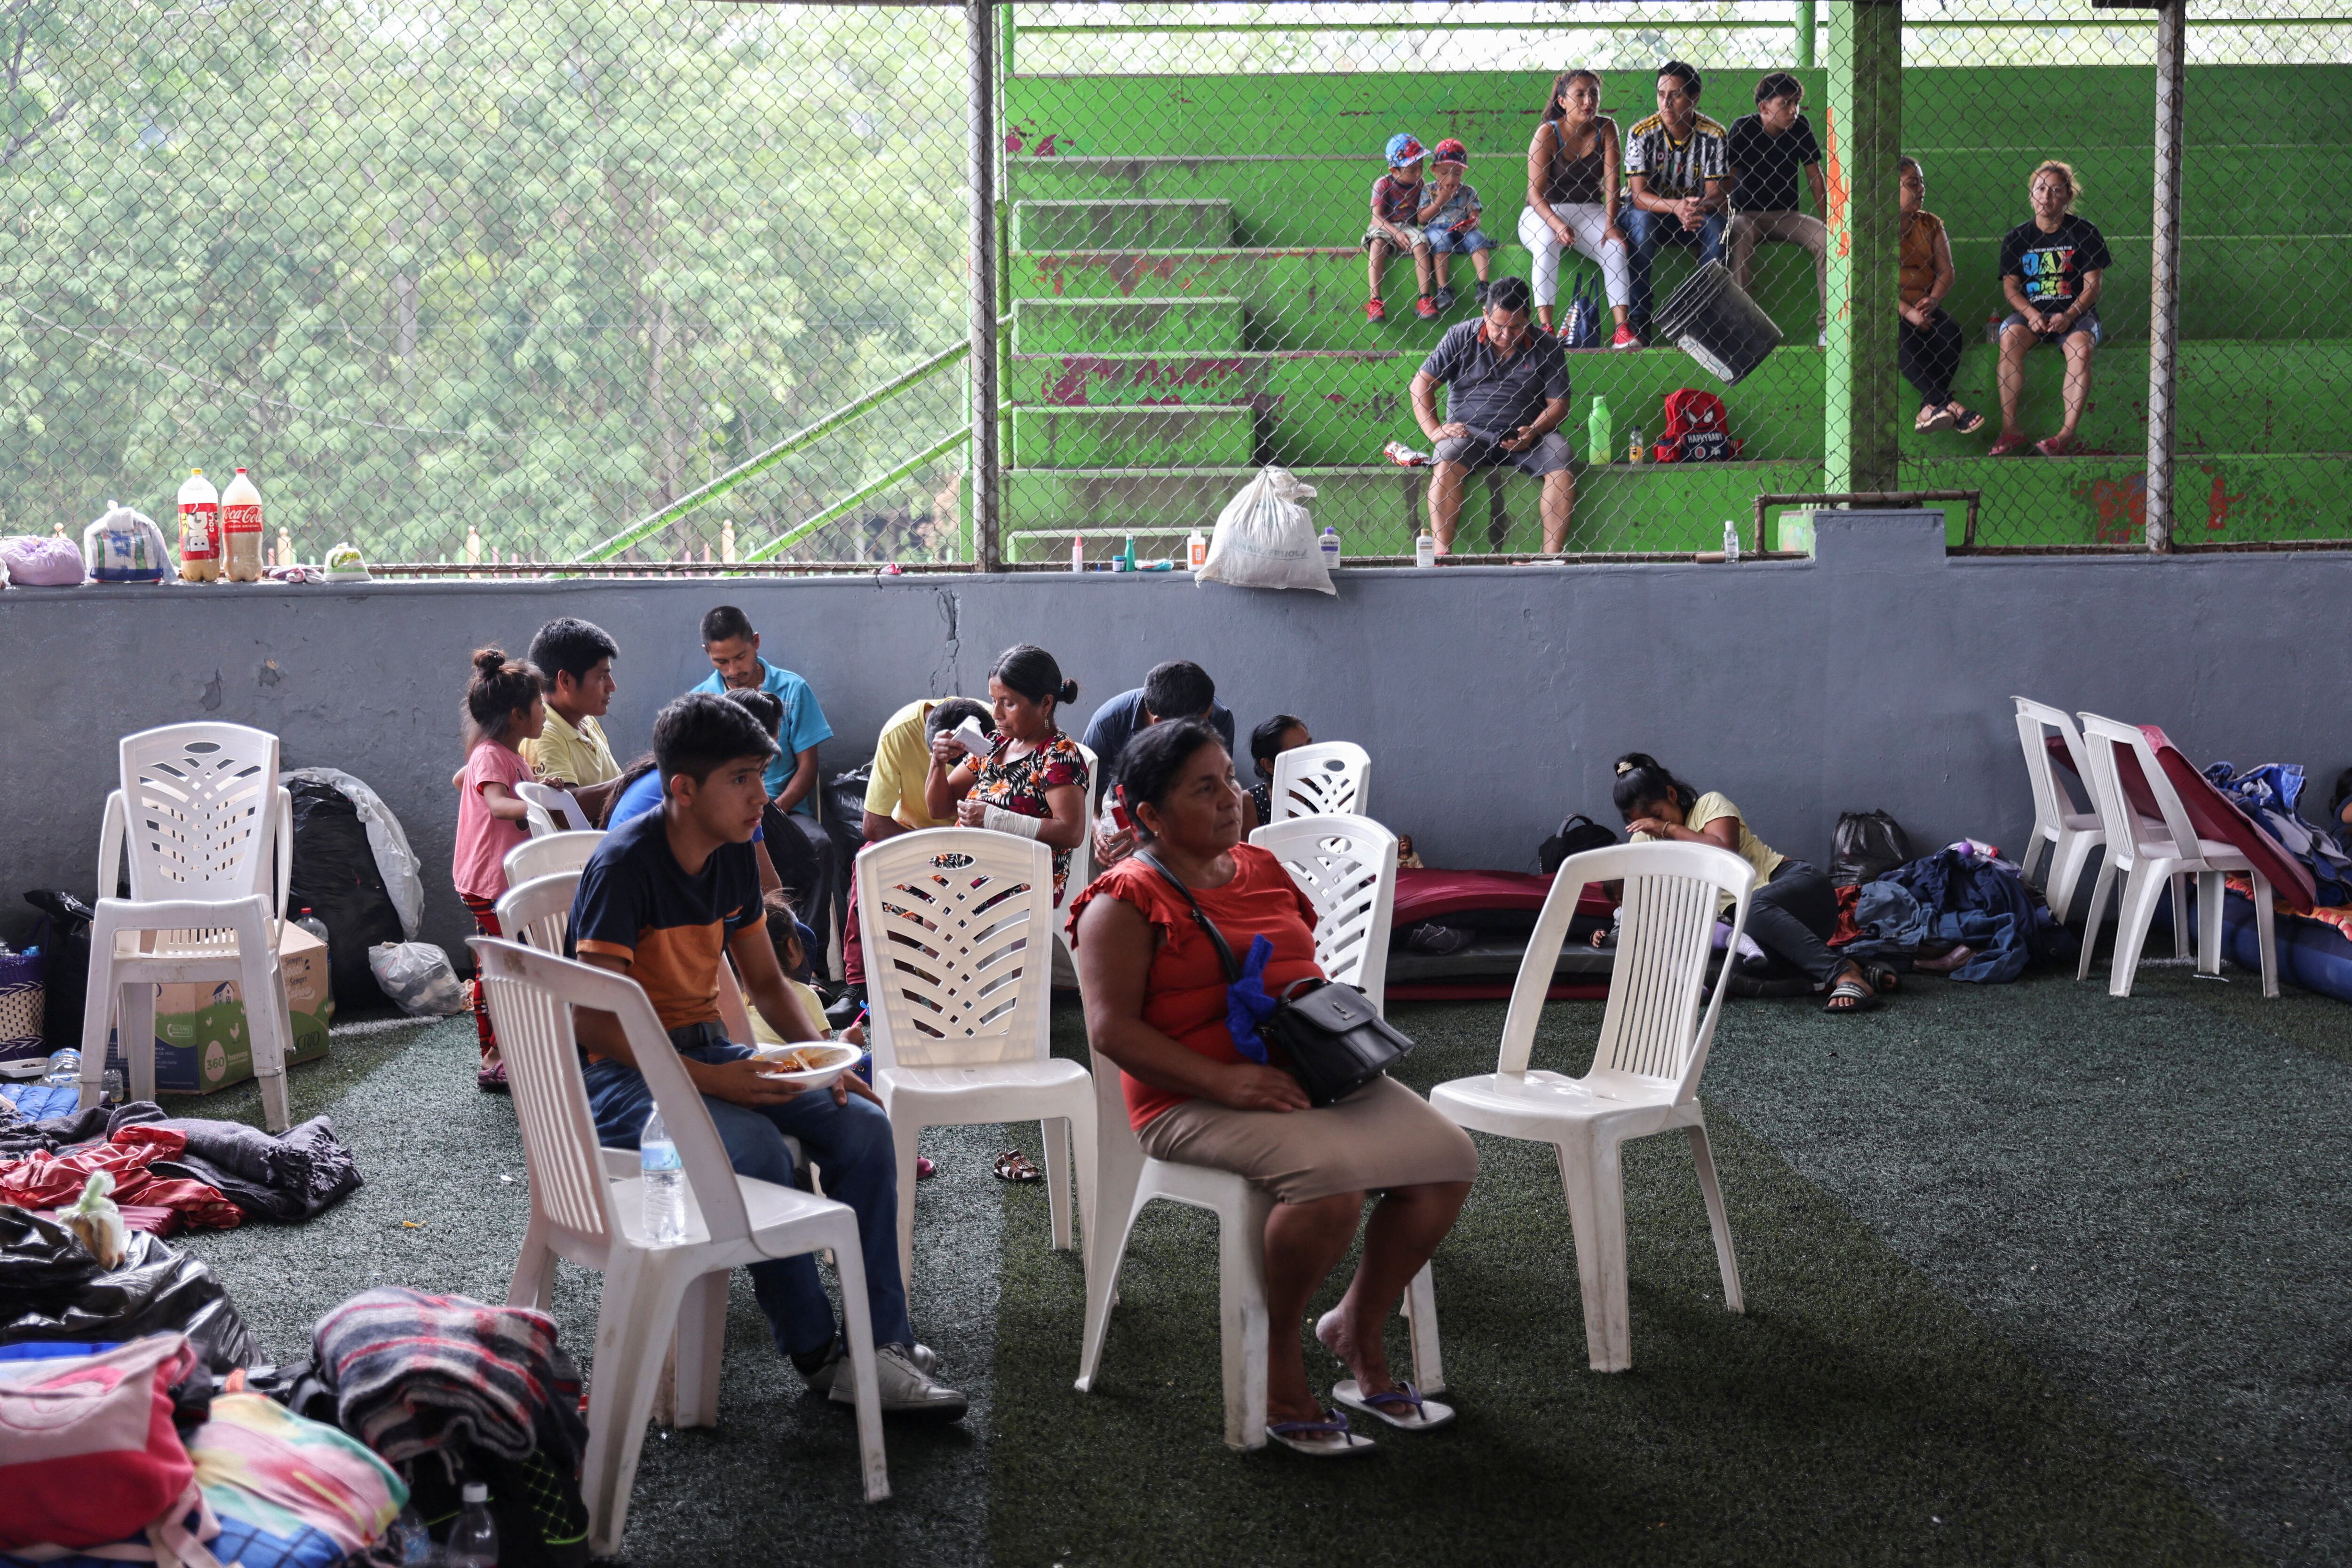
(1451,220)
(1396,226)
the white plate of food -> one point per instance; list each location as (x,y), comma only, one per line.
(810,1064)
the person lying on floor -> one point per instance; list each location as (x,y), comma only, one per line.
(1156,1005)
(662,895)
(1793,911)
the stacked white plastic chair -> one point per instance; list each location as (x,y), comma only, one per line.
(2064,841)
(553,852)
(1327,778)
(956,925)
(1347,866)
(205,822)
(585,1214)
(1644,1076)
(542,802)
(1082,872)
(2154,854)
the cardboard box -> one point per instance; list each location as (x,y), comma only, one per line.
(202,1039)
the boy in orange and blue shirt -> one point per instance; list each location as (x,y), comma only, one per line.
(1396,226)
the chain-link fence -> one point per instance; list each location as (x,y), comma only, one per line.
(628,282)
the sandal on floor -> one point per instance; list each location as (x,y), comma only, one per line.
(1883,980)
(2056,447)
(924,1169)
(1402,1407)
(2004,445)
(1933,419)
(1015,1165)
(1967,420)
(1857,992)
(492,1079)
(1329,1439)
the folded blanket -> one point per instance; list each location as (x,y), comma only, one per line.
(414,1374)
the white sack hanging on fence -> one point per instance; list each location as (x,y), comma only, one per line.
(1266,540)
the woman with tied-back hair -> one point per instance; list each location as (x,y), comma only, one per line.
(1032,782)
(1572,184)
(2052,265)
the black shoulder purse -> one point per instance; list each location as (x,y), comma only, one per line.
(1330,1037)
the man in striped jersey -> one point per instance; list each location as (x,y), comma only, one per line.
(1677,162)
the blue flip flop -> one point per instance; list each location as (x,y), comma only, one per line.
(1299,1436)
(1402,1407)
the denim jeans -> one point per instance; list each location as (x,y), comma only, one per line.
(1648,231)
(850,1142)
(1445,242)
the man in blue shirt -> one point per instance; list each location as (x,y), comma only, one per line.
(733,649)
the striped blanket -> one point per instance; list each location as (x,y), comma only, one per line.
(413,1372)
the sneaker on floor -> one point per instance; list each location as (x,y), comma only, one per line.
(844,1011)
(1425,307)
(1625,338)
(1443,299)
(1374,311)
(907,1389)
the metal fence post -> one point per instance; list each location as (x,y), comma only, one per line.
(1807,21)
(1865,124)
(979,40)
(2164,271)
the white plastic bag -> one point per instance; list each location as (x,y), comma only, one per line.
(1266,540)
(387,841)
(417,976)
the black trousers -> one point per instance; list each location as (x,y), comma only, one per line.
(1929,357)
(803,852)
(1792,917)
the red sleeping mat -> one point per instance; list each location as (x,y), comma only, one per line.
(1432,895)
(2213,814)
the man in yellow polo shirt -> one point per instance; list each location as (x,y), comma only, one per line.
(894,805)
(575,658)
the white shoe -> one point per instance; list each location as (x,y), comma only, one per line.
(1822,339)
(907,1389)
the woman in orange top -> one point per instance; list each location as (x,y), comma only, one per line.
(1155,999)
(1928,345)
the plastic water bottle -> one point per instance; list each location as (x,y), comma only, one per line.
(474,1539)
(412,1544)
(1600,433)
(1329,545)
(1077,553)
(1196,551)
(199,529)
(312,924)
(1730,540)
(665,1184)
(1424,550)
(65,1069)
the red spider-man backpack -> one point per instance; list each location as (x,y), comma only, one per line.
(1697,428)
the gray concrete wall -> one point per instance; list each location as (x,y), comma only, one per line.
(1493,699)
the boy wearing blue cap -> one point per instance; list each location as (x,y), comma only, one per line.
(1396,226)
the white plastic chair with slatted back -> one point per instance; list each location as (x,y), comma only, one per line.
(957,924)
(2064,841)
(1326,778)
(205,822)
(583,1213)
(535,857)
(1347,866)
(1082,872)
(549,811)
(1644,1076)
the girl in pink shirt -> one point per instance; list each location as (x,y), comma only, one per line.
(503,709)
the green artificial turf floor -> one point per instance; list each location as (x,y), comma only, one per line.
(2033,1275)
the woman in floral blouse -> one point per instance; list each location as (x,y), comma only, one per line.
(1034,780)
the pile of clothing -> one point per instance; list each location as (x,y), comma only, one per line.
(170,1172)
(1963,910)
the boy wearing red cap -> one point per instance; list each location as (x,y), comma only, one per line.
(1451,220)
(1396,226)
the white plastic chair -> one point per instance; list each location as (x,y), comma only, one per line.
(2063,839)
(541,802)
(1131,1180)
(1347,866)
(540,857)
(584,1213)
(1326,778)
(1082,872)
(203,815)
(959,984)
(1644,1076)
(2155,855)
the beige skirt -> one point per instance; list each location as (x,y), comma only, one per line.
(1384,1136)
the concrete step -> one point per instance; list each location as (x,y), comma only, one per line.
(2102,498)
(1150,223)
(1199,324)
(1132,437)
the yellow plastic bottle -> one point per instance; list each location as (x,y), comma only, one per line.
(241,531)
(199,529)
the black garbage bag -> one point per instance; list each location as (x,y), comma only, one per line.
(1868,844)
(845,804)
(67,974)
(52,1289)
(335,876)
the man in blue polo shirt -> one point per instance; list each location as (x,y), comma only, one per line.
(811,875)
(1506,391)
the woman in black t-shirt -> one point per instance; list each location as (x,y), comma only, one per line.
(2051,268)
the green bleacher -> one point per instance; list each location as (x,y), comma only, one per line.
(1187,303)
